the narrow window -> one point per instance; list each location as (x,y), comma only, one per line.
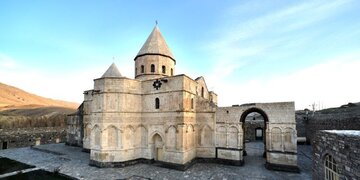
(202,91)
(163,69)
(152,68)
(331,169)
(172,71)
(192,103)
(142,69)
(157,103)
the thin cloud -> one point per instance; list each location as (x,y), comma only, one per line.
(244,39)
(280,34)
(287,19)
(333,83)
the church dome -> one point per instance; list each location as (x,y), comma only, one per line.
(155,59)
(155,45)
(112,71)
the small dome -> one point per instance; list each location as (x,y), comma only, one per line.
(155,45)
(112,71)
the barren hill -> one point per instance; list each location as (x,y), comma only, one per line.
(15,98)
(20,109)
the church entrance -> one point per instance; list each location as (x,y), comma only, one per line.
(158,150)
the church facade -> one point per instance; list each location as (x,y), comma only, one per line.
(172,119)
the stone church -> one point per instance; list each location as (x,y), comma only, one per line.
(172,119)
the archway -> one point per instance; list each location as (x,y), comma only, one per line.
(158,147)
(259,127)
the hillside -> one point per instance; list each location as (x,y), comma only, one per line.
(34,117)
(15,98)
(20,109)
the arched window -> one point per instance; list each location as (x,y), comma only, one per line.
(202,91)
(163,69)
(192,103)
(142,69)
(152,68)
(172,71)
(331,169)
(157,103)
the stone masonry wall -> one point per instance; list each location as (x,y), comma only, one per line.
(343,147)
(16,138)
(74,130)
(75,127)
(331,119)
(281,147)
(300,117)
(346,118)
(250,127)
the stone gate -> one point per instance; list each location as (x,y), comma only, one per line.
(280,133)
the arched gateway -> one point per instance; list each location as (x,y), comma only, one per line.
(279,133)
(265,121)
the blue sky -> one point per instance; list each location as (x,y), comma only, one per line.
(248,51)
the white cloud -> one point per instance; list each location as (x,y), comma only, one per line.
(7,62)
(332,83)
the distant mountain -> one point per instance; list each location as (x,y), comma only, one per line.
(20,109)
(15,98)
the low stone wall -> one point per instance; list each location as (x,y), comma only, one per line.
(343,146)
(343,118)
(23,137)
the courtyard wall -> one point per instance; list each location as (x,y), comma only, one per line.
(342,118)
(343,146)
(23,137)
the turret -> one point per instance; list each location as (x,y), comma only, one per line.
(155,59)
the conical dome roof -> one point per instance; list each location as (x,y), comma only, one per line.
(112,71)
(155,45)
